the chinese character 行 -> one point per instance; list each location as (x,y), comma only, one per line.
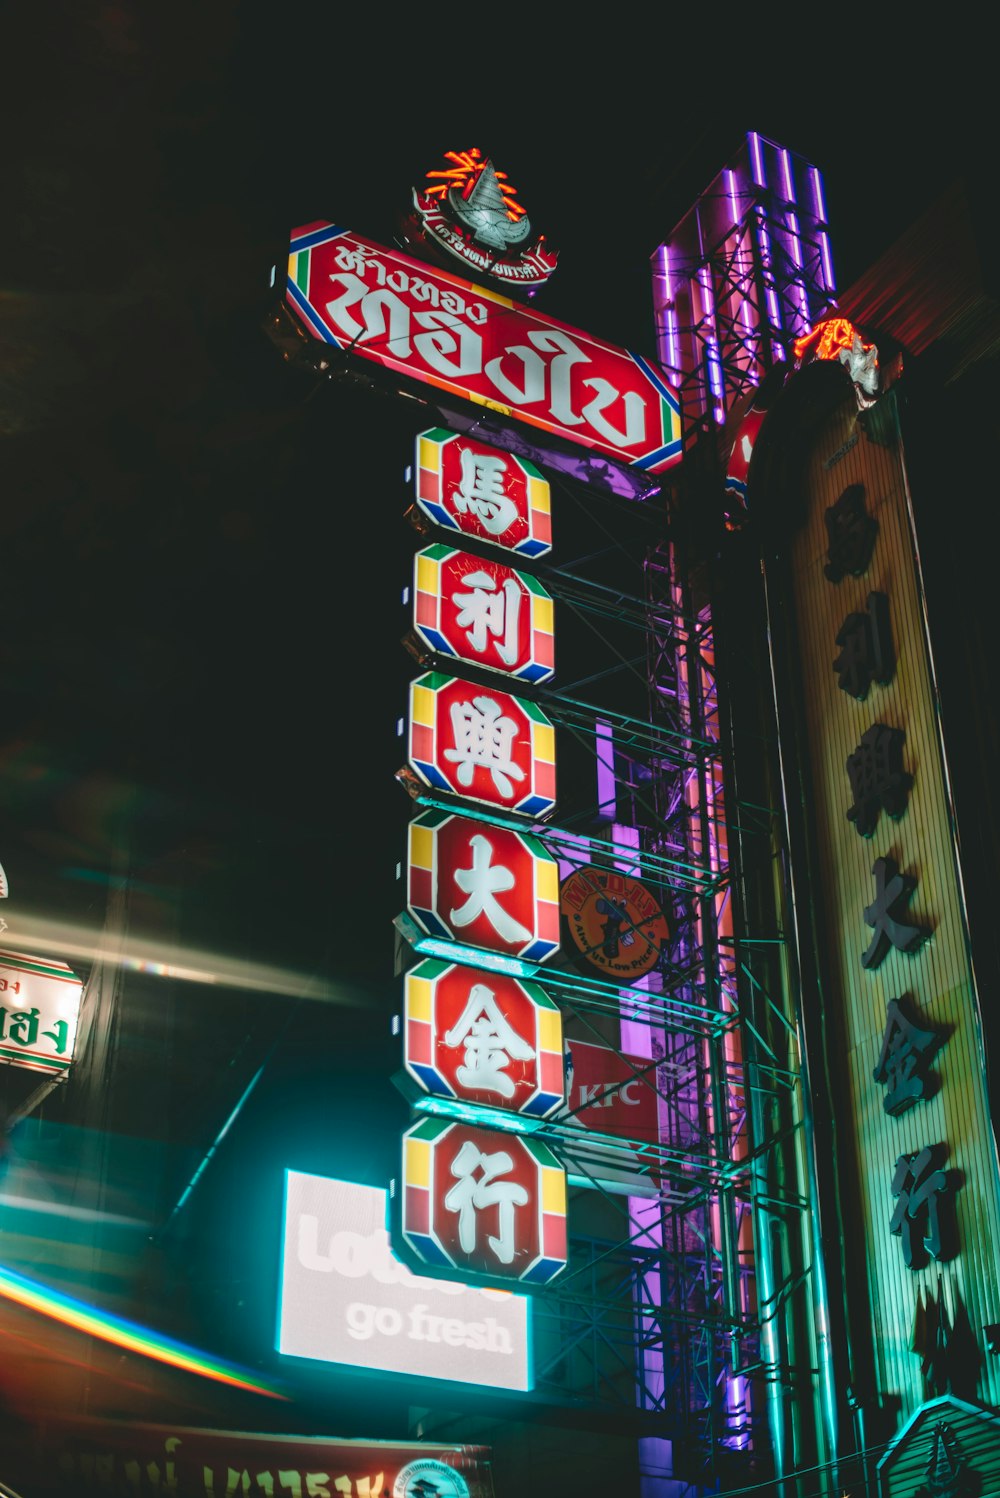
(472,1193)
(924,1206)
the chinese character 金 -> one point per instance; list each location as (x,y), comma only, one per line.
(490,1043)
(907,1052)
(884,914)
(877,777)
(866,652)
(851,535)
(924,1213)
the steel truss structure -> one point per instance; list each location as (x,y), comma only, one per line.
(744,274)
(656,1317)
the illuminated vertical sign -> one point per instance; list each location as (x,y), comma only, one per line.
(483,1202)
(484,1039)
(464,485)
(482,744)
(490,887)
(39,1007)
(481,611)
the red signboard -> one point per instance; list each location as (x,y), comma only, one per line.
(466,485)
(484,1202)
(483,612)
(484,1038)
(490,887)
(114,1457)
(472,342)
(611,1092)
(482,744)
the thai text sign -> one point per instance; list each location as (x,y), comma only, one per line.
(483,612)
(106,1456)
(347,1298)
(39,1006)
(487,886)
(464,485)
(482,744)
(483,1202)
(484,1038)
(473,342)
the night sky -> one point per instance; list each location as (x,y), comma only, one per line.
(203,550)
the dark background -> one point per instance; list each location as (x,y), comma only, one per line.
(200,669)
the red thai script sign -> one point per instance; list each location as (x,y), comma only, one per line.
(111,1456)
(483,612)
(475,343)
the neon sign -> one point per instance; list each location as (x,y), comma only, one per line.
(483,612)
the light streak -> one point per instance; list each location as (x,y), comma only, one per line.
(34,1296)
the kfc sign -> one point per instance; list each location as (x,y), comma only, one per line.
(483,612)
(464,485)
(483,1202)
(486,886)
(484,1038)
(470,341)
(482,744)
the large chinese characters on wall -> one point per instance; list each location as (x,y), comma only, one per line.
(915,1111)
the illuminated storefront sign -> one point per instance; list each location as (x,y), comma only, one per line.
(483,1202)
(470,341)
(486,886)
(465,485)
(483,612)
(347,1298)
(482,744)
(39,1007)
(470,210)
(611,1091)
(113,1457)
(613,921)
(483,1038)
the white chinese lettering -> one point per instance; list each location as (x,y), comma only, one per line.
(482,883)
(471,1194)
(487,610)
(480,492)
(484,737)
(490,1042)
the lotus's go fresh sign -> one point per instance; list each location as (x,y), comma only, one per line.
(472,342)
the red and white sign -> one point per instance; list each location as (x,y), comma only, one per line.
(483,612)
(612,1092)
(484,886)
(482,744)
(483,1202)
(471,341)
(466,485)
(39,1008)
(483,1038)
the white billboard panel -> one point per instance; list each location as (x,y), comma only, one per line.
(346,1298)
